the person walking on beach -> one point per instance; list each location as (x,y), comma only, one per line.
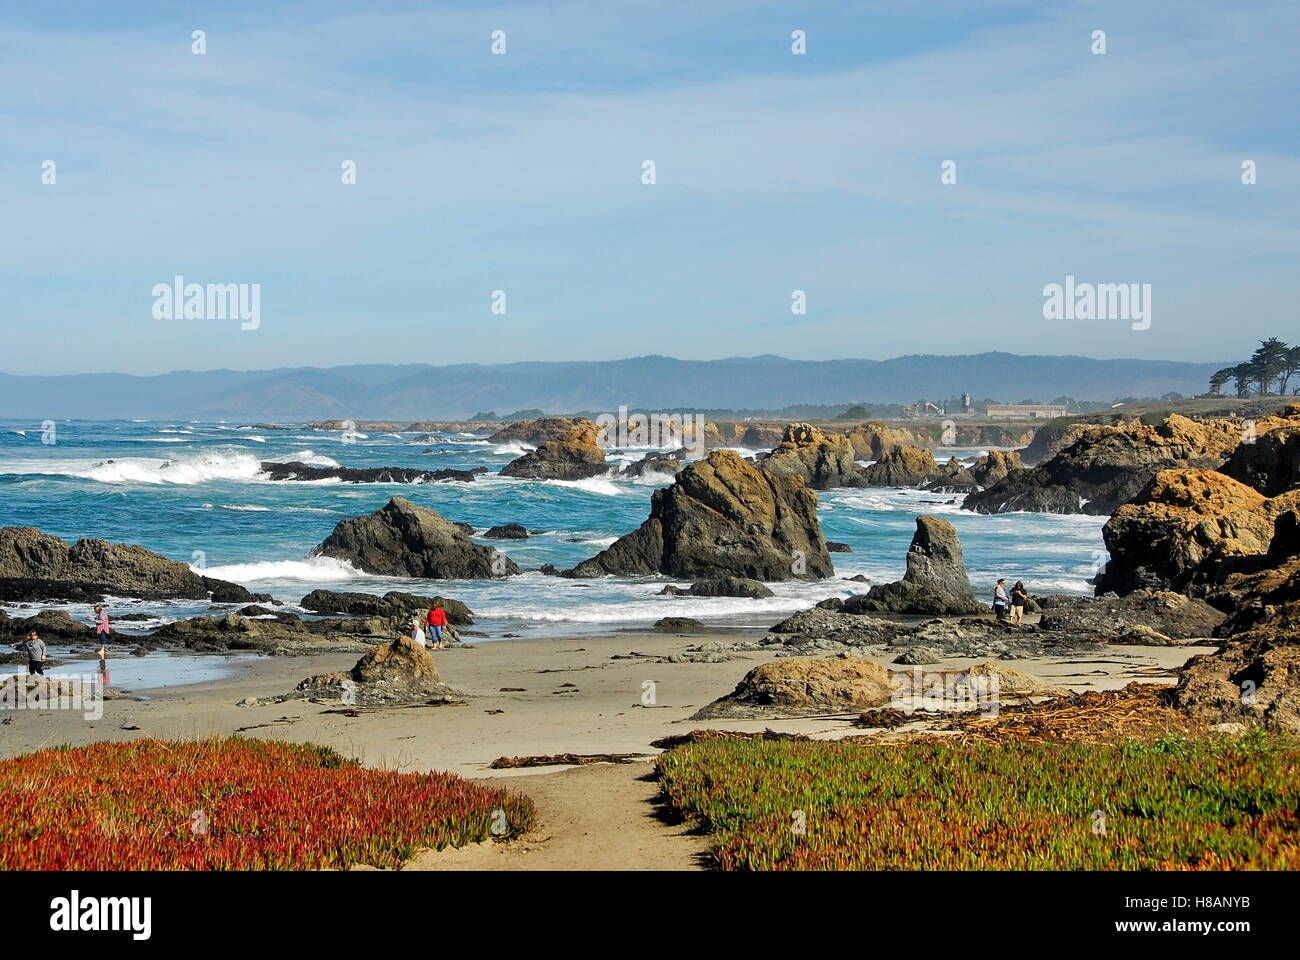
(1000,599)
(437,621)
(1019,597)
(101,622)
(35,648)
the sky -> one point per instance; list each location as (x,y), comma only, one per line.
(522,172)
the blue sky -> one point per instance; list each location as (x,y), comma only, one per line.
(522,173)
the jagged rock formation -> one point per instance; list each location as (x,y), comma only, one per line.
(935,581)
(722,517)
(402,539)
(40,566)
(507,531)
(1173,615)
(656,463)
(534,433)
(1107,466)
(573,455)
(819,460)
(904,466)
(398,672)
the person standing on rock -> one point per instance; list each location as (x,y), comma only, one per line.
(1019,597)
(437,621)
(1000,599)
(35,648)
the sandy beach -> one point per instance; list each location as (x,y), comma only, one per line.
(527,697)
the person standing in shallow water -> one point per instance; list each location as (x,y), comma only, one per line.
(102,628)
(1019,597)
(437,621)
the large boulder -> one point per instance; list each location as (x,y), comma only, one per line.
(403,539)
(534,433)
(1254,678)
(1107,617)
(904,466)
(803,686)
(40,566)
(722,517)
(819,460)
(392,673)
(656,464)
(871,441)
(1186,530)
(995,465)
(574,455)
(935,581)
(1108,466)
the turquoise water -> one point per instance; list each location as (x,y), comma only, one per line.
(191,491)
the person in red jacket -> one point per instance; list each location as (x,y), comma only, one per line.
(437,620)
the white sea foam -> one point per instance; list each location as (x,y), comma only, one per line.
(511,449)
(310,570)
(309,457)
(187,470)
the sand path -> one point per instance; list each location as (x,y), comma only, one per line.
(600,817)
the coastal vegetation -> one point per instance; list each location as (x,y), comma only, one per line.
(1270,370)
(1171,803)
(233,804)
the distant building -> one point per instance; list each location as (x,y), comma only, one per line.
(1025,411)
(967,404)
(922,408)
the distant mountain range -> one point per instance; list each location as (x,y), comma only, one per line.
(652,383)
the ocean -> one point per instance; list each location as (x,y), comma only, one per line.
(191,491)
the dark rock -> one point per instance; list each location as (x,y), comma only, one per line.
(833,546)
(402,539)
(39,566)
(1270,464)
(722,517)
(507,531)
(721,587)
(904,466)
(935,581)
(392,604)
(302,471)
(1171,614)
(678,624)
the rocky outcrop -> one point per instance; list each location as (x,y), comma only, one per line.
(402,539)
(392,604)
(1269,464)
(904,466)
(721,587)
(392,673)
(722,517)
(871,441)
(50,625)
(271,470)
(39,566)
(803,686)
(1108,466)
(573,455)
(1187,530)
(952,477)
(1108,618)
(1254,678)
(761,436)
(534,433)
(935,581)
(995,465)
(656,463)
(819,460)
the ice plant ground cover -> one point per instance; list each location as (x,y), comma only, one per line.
(1209,803)
(236,804)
